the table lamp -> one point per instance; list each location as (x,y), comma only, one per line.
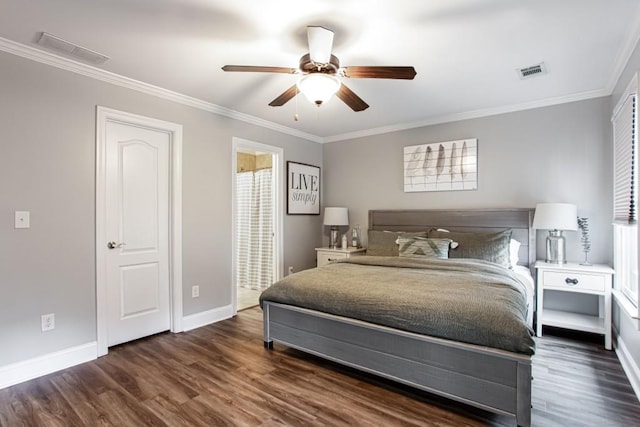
(335,217)
(556,217)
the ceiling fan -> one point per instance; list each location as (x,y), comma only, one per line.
(320,69)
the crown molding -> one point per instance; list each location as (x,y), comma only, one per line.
(469,115)
(57,61)
(625,52)
(63,63)
(624,55)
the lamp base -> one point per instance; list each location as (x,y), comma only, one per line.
(334,237)
(556,252)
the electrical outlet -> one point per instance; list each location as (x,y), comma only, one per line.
(22,219)
(48,322)
(195,291)
(290,270)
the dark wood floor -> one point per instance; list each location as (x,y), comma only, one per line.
(221,375)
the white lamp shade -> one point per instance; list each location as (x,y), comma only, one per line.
(318,87)
(336,216)
(555,216)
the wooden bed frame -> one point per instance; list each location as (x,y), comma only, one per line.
(495,380)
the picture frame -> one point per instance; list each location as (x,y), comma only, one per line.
(441,166)
(303,189)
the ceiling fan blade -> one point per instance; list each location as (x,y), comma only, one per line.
(365,72)
(320,44)
(285,97)
(259,69)
(351,99)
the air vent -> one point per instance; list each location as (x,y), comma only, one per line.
(59,45)
(532,71)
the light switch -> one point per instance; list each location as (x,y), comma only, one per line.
(22,219)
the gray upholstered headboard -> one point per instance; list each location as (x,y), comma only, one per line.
(478,220)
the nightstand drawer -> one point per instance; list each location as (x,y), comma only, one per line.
(577,281)
(326,257)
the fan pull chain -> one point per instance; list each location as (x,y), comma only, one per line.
(296,117)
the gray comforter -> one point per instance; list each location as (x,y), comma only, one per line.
(465,300)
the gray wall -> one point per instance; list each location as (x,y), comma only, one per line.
(47,166)
(553,154)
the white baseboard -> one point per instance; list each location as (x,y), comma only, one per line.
(18,372)
(629,365)
(207,317)
(26,370)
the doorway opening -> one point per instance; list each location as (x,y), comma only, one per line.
(257,220)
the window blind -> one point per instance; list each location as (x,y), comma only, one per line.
(624,162)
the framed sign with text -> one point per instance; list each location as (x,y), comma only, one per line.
(303,189)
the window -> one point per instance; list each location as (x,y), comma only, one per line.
(625,197)
(625,260)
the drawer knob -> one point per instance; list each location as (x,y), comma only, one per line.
(332,259)
(571,282)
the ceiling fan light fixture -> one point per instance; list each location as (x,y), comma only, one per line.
(318,88)
(319,68)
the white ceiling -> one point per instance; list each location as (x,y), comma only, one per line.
(465,52)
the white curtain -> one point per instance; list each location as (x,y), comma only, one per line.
(255,229)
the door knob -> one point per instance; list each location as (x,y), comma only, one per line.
(114,245)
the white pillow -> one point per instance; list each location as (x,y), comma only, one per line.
(514,248)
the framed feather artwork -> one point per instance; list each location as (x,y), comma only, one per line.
(441,166)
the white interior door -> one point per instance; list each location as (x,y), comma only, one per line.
(137,229)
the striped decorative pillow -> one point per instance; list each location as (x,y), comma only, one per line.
(385,243)
(422,247)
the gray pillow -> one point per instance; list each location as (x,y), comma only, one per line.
(492,247)
(422,247)
(383,243)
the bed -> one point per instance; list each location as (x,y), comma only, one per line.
(488,375)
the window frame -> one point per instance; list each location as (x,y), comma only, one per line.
(626,260)
(626,257)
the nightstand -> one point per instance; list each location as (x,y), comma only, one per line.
(326,255)
(584,279)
